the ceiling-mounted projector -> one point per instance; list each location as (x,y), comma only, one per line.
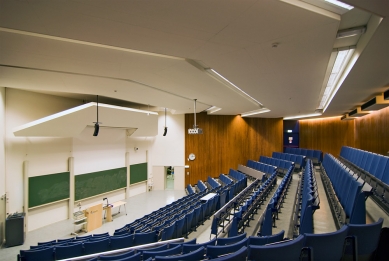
(195,129)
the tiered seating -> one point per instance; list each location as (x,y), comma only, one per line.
(266,168)
(246,208)
(275,204)
(344,191)
(299,160)
(371,167)
(327,246)
(212,182)
(282,165)
(239,178)
(307,201)
(315,155)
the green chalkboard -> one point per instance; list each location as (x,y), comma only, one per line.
(138,173)
(95,183)
(48,188)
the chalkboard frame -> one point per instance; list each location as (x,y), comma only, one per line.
(138,173)
(44,186)
(85,184)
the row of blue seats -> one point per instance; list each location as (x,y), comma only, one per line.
(307,201)
(223,213)
(282,165)
(347,196)
(372,168)
(239,178)
(265,168)
(267,219)
(212,182)
(299,160)
(249,206)
(226,180)
(351,241)
(315,155)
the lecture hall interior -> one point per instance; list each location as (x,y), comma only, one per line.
(224,112)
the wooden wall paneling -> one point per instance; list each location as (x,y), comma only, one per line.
(228,141)
(326,134)
(371,132)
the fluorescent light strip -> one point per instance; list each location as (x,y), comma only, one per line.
(302,116)
(213,109)
(233,85)
(263,110)
(341,61)
(340,4)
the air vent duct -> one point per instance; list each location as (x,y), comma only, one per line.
(386,95)
(377,103)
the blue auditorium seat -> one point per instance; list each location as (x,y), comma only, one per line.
(167,252)
(192,256)
(179,226)
(135,257)
(192,241)
(239,255)
(288,250)
(73,250)
(230,240)
(145,238)
(367,236)
(101,235)
(96,246)
(117,257)
(168,232)
(216,251)
(186,248)
(327,246)
(47,243)
(67,240)
(44,254)
(259,241)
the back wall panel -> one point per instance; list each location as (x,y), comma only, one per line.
(228,141)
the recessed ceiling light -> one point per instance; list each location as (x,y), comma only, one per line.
(249,113)
(340,4)
(302,116)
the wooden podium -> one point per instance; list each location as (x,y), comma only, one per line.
(94,217)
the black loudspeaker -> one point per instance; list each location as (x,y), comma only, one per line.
(165,131)
(97,127)
(14,230)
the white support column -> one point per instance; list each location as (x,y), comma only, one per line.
(71,186)
(127,162)
(25,191)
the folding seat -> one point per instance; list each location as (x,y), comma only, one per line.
(66,240)
(47,243)
(252,240)
(166,252)
(179,226)
(367,238)
(216,251)
(82,238)
(303,152)
(134,257)
(239,255)
(118,256)
(192,241)
(327,246)
(274,162)
(44,254)
(298,151)
(63,252)
(288,150)
(310,154)
(187,248)
(101,235)
(195,255)
(145,238)
(96,246)
(230,240)
(290,249)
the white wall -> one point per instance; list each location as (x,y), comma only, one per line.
(2,162)
(50,155)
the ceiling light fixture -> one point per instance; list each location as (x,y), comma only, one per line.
(338,61)
(213,109)
(250,113)
(234,87)
(97,127)
(196,129)
(165,129)
(340,4)
(351,32)
(302,116)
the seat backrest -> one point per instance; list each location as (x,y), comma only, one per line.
(215,251)
(368,236)
(38,255)
(96,246)
(230,240)
(277,252)
(167,252)
(186,248)
(239,255)
(276,237)
(63,252)
(119,256)
(195,255)
(145,238)
(321,243)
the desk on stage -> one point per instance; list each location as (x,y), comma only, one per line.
(108,209)
(208,197)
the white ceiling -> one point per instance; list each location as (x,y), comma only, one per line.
(138,51)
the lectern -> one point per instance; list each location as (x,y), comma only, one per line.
(94,217)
